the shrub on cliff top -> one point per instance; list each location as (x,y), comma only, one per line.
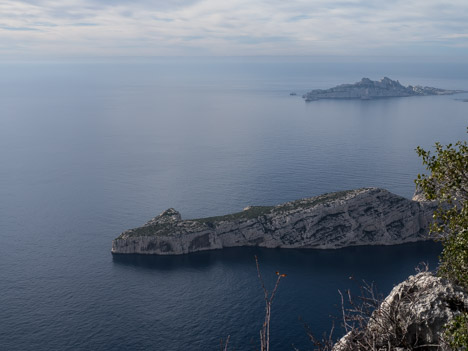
(448,183)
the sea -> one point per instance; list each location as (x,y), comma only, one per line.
(90,149)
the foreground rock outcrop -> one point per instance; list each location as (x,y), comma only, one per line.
(369,216)
(412,317)
(368,89)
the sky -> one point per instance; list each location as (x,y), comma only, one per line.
(54,29)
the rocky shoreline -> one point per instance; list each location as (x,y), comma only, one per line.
(368,216)
(368,89)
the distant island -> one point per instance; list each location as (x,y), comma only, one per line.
(368,89)
(368,216)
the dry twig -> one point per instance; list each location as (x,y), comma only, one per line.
(265,331)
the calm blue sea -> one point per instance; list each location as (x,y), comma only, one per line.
(89,150)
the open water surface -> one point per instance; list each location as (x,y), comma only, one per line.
(89,150)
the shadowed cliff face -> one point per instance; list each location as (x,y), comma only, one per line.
(369,216)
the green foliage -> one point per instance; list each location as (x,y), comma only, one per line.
(456,332)
(251,212)
(454,258)
(448,183)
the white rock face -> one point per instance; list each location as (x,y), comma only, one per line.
(412,317)
(369,216)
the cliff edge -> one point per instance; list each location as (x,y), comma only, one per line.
(412,317)
(368,216)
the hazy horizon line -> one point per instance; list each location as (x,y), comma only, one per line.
(406,59)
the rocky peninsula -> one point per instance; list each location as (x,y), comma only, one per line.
(368,89)
(368,216)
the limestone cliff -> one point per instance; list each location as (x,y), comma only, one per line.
(412,317)
(369,216)
(368,89)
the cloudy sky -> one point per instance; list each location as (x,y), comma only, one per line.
(31,29)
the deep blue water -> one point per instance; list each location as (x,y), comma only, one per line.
(89,150)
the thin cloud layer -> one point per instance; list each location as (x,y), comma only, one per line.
(99,28)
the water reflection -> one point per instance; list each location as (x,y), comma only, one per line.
(350,259)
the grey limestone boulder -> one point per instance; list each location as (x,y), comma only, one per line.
(412,317)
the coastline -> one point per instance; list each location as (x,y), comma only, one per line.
(367,216)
